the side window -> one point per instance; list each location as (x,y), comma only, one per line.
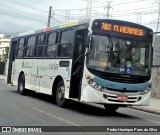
(65,47)
(39,48)
(20,48)
(51,47)
(30,46)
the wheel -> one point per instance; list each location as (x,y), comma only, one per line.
(110,107)
(21,85)
(60,95)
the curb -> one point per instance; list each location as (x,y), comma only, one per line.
(153,111)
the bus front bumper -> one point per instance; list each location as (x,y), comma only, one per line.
(92,95)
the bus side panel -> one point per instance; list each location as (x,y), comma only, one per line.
(35,77)
(16,71)
(47,75)
(64,70)
(25,66)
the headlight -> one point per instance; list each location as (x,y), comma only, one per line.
(145,91)
(93,84)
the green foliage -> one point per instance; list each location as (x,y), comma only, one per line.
(5,55)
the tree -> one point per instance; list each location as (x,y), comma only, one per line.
(5,55)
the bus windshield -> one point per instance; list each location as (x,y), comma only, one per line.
(115,55)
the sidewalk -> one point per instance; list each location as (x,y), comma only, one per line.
(2,77)
(154,106)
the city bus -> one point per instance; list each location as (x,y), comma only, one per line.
(100,61)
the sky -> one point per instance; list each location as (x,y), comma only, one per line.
(19,16)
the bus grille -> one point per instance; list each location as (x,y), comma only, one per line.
(113,98)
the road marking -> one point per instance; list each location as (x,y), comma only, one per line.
(153,121)
(59,118)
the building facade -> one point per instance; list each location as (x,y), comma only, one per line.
(4,42)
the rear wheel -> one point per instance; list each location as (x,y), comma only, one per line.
(110,107)
(60,94)
(21,85)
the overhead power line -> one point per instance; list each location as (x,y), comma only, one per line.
(21,16)
(17,25)
(10,7)
(27,5)
(128,2)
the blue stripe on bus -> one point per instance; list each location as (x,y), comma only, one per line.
(120,86)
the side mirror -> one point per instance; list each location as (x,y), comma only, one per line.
(88,39)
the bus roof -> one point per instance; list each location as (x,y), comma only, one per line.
(70,24)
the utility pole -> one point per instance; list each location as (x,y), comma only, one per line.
(67,17)
(89,8)
(108,9)
(49,16)
(158,17)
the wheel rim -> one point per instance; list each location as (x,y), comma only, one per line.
(60,94)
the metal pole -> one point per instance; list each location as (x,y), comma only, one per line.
(158,16)
(49,16)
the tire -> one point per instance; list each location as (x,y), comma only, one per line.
(60,95)
(21,85)
(111,108)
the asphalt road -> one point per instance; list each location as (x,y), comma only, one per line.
(39,110)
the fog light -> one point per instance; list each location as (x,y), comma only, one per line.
(102,89)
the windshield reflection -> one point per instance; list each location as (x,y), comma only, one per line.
(118,55)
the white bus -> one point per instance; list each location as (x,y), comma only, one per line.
(103,61)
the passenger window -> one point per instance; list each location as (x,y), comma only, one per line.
(30,46)
(51,47)
(52,38)
(31,41)
(20,49)
(65,50)
(67,36)
(39,48)
(65,47)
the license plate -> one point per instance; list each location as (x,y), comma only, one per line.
(122,97)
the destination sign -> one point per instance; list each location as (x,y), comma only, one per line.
(120,27)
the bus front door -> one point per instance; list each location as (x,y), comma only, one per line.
(77,64)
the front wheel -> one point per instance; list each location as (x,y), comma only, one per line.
(60,95)
(21,85)
(110,107)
